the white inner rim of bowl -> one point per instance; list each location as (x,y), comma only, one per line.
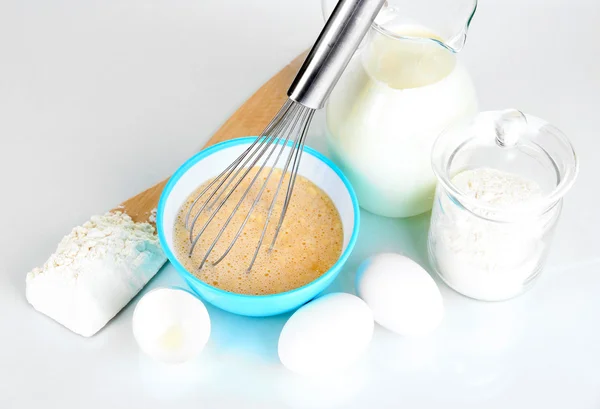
(210,166)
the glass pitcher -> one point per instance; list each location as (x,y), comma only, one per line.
(403,87)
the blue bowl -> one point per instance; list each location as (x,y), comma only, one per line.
(209,163)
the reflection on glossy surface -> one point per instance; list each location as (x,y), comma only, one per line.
(483,355)
(249,336)
(169,381)
(334,391)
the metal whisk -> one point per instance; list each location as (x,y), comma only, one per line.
(321,70)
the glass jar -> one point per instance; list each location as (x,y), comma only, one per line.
(402,88)
(501,180)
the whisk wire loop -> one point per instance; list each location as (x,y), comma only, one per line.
(298,155)
(222,203)
(298,144)
(274,141)
(275,123)
(287,130)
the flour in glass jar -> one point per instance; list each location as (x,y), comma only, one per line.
(479,256)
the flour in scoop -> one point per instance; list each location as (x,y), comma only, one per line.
(96,270)
(478,255)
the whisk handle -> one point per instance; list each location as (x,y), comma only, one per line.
(332,51)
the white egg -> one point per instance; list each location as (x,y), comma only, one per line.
(402,296)
(326,335)
(171,325)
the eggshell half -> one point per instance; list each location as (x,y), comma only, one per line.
(171,325)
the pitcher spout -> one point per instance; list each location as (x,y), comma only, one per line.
(445,22)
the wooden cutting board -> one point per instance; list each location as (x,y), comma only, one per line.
(250,119)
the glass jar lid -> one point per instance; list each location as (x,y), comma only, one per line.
(512,142)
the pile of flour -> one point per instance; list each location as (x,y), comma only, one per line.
(96,270)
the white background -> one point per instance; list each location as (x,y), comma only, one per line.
(100,100)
